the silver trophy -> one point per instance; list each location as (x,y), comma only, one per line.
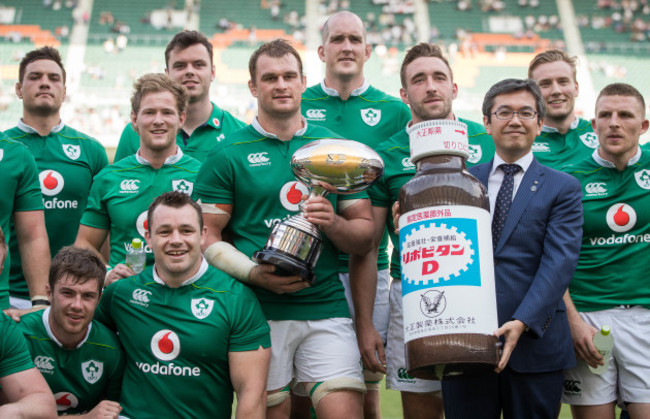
(341,166)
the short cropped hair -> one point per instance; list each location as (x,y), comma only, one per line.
(81,265)
(44,53)
(423,49)
(277,48)
(325,31)
(154,83)
(186,39)
(622,89)
(174,199)
(551,56)
(511,86)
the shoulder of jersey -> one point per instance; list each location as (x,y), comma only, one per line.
(30,321)
(476,127)
(69,132)
(314,92)
(376,95)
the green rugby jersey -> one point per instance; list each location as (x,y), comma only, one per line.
(177,341)
(67,161)
(121,194)
(197,145)
(557,150)
(14,355)
(616,234)
(399,169)
(79,378)
(252,173)
(20,192)
(368,116)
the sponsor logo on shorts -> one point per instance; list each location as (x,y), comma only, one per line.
(475,153)
(65,400)
(596,189)
(590,139)
(129,186)
(182,185)
(45,364)
(371,116)
(92,370)
(541,147)
(315,114)
(72,151)
(643,178)
(140,297)
(201,307)
(407,163)
(259,159)
(404,377)
(291,194)
(572,388)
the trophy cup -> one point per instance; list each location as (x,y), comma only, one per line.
(346,166)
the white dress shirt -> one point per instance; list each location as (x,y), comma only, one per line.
(496,177)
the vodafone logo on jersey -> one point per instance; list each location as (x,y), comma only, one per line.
(621,217)
(165,345)
(141,223)
(65,400)
(51,182)
(291,194)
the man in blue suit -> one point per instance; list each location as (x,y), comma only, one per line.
(536,229)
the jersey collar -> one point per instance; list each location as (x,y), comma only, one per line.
(356,92)
(169,160)
(29,130)
(256,125)
(215,120)
(606,163)
(46,323)
(202,269)
(574,125)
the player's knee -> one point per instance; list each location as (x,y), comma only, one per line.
(317,391)
(372,380)
(276,398)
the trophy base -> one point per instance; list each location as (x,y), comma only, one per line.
(285,264)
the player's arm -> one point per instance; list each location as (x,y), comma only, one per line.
(104,409)
(350,230)
(34,248)
(363,286)
(94,238)
(28,396)
(582,334)
(248,374)
(227,258)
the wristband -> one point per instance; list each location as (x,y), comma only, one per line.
(225,256)
(40,302)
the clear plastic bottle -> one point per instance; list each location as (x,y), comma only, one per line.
(604,342)
(136,257)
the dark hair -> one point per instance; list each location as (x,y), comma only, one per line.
(185,39)
(622,89)
(551,56)
(277,48)
(44,53)
(511,86)
(423,49)
(174,199)
(81,264)
(154,83)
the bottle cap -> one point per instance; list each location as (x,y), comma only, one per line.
(605,330)
(438,136)
(136,243)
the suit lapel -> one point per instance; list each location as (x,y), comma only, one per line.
(529,186)
(482,172)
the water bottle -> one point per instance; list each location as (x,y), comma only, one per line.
(136,258)
(604,342)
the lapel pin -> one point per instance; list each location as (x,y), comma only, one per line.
(533,188)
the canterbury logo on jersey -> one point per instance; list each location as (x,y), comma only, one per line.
(315,114)
(596,189)
(140,297)
(259,159)
(129,186)
(44,364)
(407,163)
(541,148)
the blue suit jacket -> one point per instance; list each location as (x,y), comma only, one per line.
(534,261)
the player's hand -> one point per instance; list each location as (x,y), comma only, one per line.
(118,272)
(583,342)
(319,211)
(17,313)
(105,409)
(371,347)
(263,276)
(396,214)
(511,331)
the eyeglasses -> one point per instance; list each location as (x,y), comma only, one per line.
(507,114)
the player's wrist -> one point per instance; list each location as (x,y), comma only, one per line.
(40,301)
(226,257)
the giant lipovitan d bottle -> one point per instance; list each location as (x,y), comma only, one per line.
(447,268)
